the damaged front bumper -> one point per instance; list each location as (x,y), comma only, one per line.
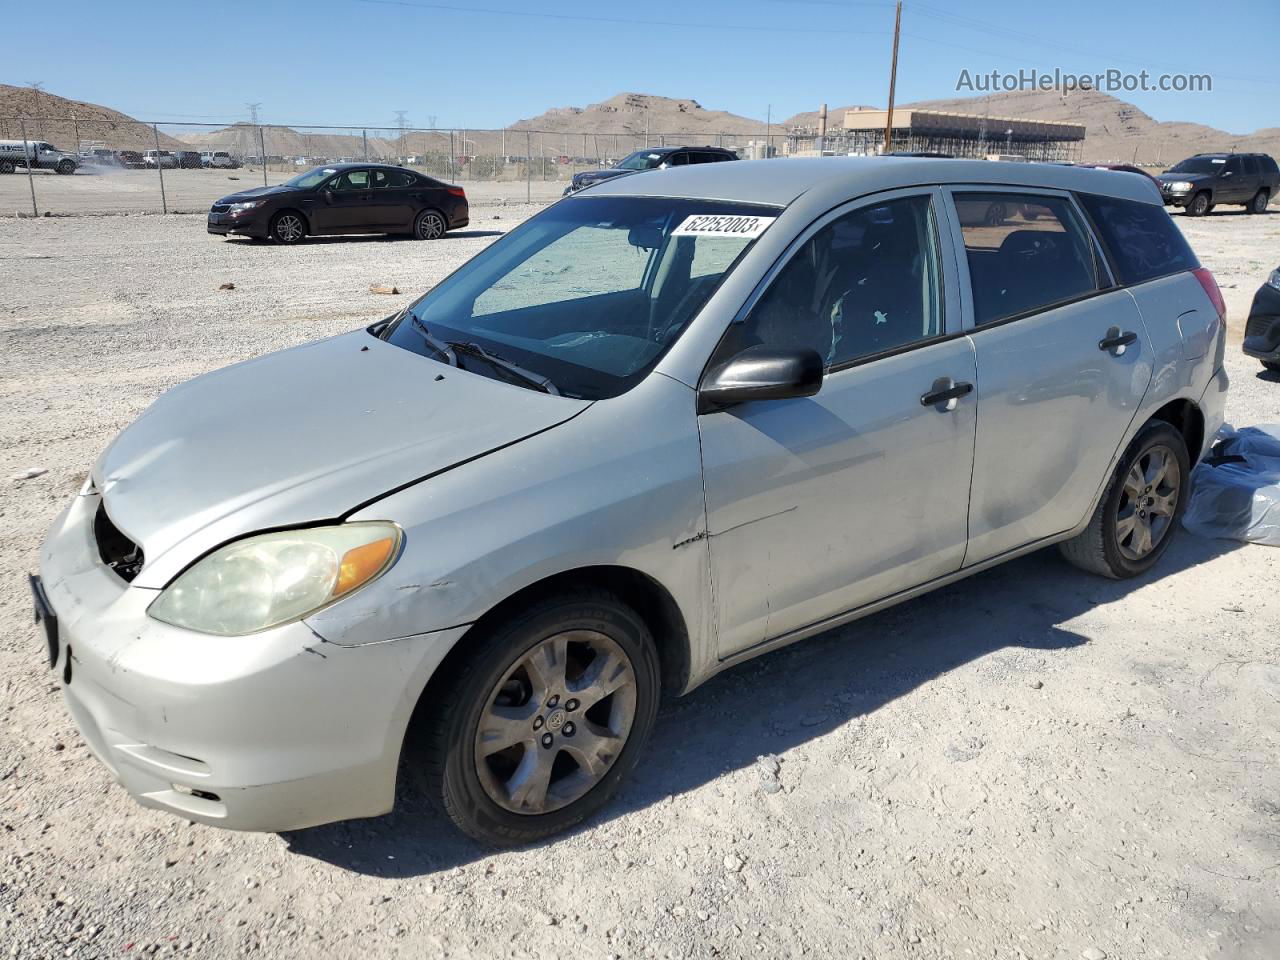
(278,730)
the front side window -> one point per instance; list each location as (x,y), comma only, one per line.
(589,294)
(351,180)
(1025,252)
(1235,166)
(866,283)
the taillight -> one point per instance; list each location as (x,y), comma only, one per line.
(459,192)
(1211,290)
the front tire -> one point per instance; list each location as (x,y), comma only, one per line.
(65,167)
(429,225)
(7,166)
(1199,205)
(1134,523)
(533,732)
(288,227)
(1259,202)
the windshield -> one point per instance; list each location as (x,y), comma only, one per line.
(589,294)
(311,178)
(641,160)
(1199,165)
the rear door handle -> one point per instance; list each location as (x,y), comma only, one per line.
(1117,341)
(945,392)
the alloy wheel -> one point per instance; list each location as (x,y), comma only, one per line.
(289,228)
(556,722)
(430,226)
(1148,502)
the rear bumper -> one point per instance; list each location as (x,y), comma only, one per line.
(1262,330)
(280,730)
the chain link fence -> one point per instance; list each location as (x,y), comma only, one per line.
(135,166)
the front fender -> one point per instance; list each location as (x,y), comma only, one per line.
(619,485)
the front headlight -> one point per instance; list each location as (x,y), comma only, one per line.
(246,205)
(274,578)
(1180,186)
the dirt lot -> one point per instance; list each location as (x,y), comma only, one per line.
(192,191)
(1032,763)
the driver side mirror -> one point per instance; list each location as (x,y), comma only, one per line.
(761,372)
(1225,173)
(327,193)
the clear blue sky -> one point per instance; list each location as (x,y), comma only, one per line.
(471,64)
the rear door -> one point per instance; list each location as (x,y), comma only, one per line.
(393,201)
(1234,182)
(1063,363)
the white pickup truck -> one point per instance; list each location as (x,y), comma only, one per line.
(36,154)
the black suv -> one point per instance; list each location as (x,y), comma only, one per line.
(654,158)
(1201,182)
(343,198)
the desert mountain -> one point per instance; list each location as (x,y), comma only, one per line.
(109,127)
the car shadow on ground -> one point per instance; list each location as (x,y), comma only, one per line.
(366,238)
(1009,617)
(1271,376)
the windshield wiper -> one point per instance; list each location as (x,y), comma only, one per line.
(527,377)
(437,345)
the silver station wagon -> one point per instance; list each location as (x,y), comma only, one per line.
(666,425)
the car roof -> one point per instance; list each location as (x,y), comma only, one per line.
(683,146)
(358,164)
(780,181)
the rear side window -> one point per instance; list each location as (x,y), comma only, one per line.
(1251,166)
(390,179)
(1025,252)
(1143,241)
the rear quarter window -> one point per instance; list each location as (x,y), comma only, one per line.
(1143,241)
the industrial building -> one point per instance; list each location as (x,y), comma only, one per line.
(959,134)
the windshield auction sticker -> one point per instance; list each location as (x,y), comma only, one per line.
(720,225)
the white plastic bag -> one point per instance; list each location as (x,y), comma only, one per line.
(1235,491)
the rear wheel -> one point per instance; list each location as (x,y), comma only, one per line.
(288,227)
(6,166)
(534,731)
(1259,202)
(430,225)
(65,167)
(1199,205)
(1134,523)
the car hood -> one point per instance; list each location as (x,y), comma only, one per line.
(1185,177)
(255,192)
(594,176)
(301,436)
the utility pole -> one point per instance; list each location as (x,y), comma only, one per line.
(402,123)
(768,130)
(893,79)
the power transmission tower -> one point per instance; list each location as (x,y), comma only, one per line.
(253,112)
(402,123)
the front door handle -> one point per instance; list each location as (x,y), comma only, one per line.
(944,393)
(1117,341)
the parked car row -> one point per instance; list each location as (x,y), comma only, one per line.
(343,198)
(151,159)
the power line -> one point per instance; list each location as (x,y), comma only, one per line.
(684,25)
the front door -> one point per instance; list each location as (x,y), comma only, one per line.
(1063,364)
(818,505)
(344,204)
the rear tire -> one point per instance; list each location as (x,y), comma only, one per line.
(288,227)
(7,166)
(65,167)
(429,225)
(1141,508)
(1259,202)
(524,702)
(1199,205)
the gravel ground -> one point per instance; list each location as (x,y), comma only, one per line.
(1032,763)
(192,191)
